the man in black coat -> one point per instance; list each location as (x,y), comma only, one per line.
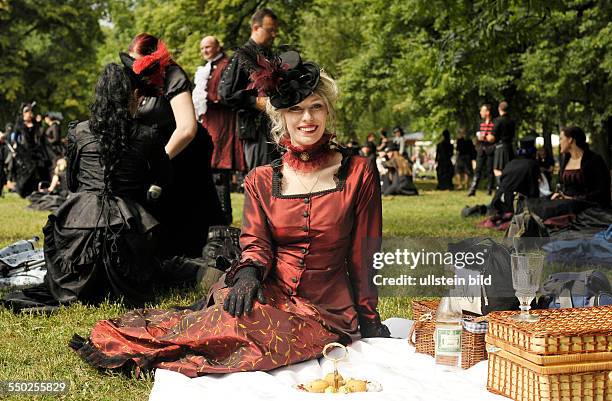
(236,90)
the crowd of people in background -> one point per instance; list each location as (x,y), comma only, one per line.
(141,198)
(32,155)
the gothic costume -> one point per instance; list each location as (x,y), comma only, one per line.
(589,187)
(190,204)
(521,175)
(484,158)
(50,201)
(444,168)
(103,242)
(32,162)
(237,90)
(317,282)
(466,152)
(53,134)
(309,257)
(220,122)
(504,129)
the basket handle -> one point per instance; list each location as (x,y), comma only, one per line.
(417,325)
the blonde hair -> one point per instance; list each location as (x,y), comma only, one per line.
(326,89)
(400,164)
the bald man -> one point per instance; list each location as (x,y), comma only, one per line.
(219,120)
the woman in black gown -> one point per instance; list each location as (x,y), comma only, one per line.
(584,179)
(32,161)
(102,242)
(444,168)
(190,205)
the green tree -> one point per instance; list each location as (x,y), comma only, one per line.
(49,54)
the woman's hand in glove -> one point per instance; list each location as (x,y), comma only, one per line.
(245,289)
(373,328)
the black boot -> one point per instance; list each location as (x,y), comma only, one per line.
(474,185)
(219,253)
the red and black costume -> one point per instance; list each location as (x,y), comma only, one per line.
(314,255)
(484,157)
(220,122)
(310,256)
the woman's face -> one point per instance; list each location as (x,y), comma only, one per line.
(306,121)
(565,142)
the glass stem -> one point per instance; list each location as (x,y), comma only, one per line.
(525,309)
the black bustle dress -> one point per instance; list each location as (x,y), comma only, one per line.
(190,205)
(102,241)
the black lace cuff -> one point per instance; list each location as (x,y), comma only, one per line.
(230,276)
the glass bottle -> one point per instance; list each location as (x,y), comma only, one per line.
(447,336)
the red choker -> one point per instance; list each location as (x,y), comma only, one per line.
(307,158)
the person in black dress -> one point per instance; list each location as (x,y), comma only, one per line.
(398,180)
(190,205)
(51,198)
(53,133)
(102,242)
(32,162)
(584,179)
(444,164)
(466,152)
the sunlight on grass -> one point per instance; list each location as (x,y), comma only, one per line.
(35,347)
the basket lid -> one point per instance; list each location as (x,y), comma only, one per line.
(558,332)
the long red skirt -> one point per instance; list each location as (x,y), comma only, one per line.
(283,331)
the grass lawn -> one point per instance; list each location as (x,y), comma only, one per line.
(35,347)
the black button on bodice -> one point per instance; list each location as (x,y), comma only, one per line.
(294,279)
(306,200)
(305,228)
(306,214)
(290,291)
(304,250)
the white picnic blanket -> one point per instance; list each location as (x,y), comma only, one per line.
(404,375)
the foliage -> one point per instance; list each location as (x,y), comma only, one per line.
(48,55)
(422,64)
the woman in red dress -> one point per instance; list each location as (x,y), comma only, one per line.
(312,221)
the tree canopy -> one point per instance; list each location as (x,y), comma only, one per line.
(422,64)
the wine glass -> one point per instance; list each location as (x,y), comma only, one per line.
(526,272)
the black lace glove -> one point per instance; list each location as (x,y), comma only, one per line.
(373,328)
(246,287)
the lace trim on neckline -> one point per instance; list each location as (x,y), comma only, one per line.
(339,177)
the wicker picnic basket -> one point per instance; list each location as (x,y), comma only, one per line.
(564,356)
(473,347)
